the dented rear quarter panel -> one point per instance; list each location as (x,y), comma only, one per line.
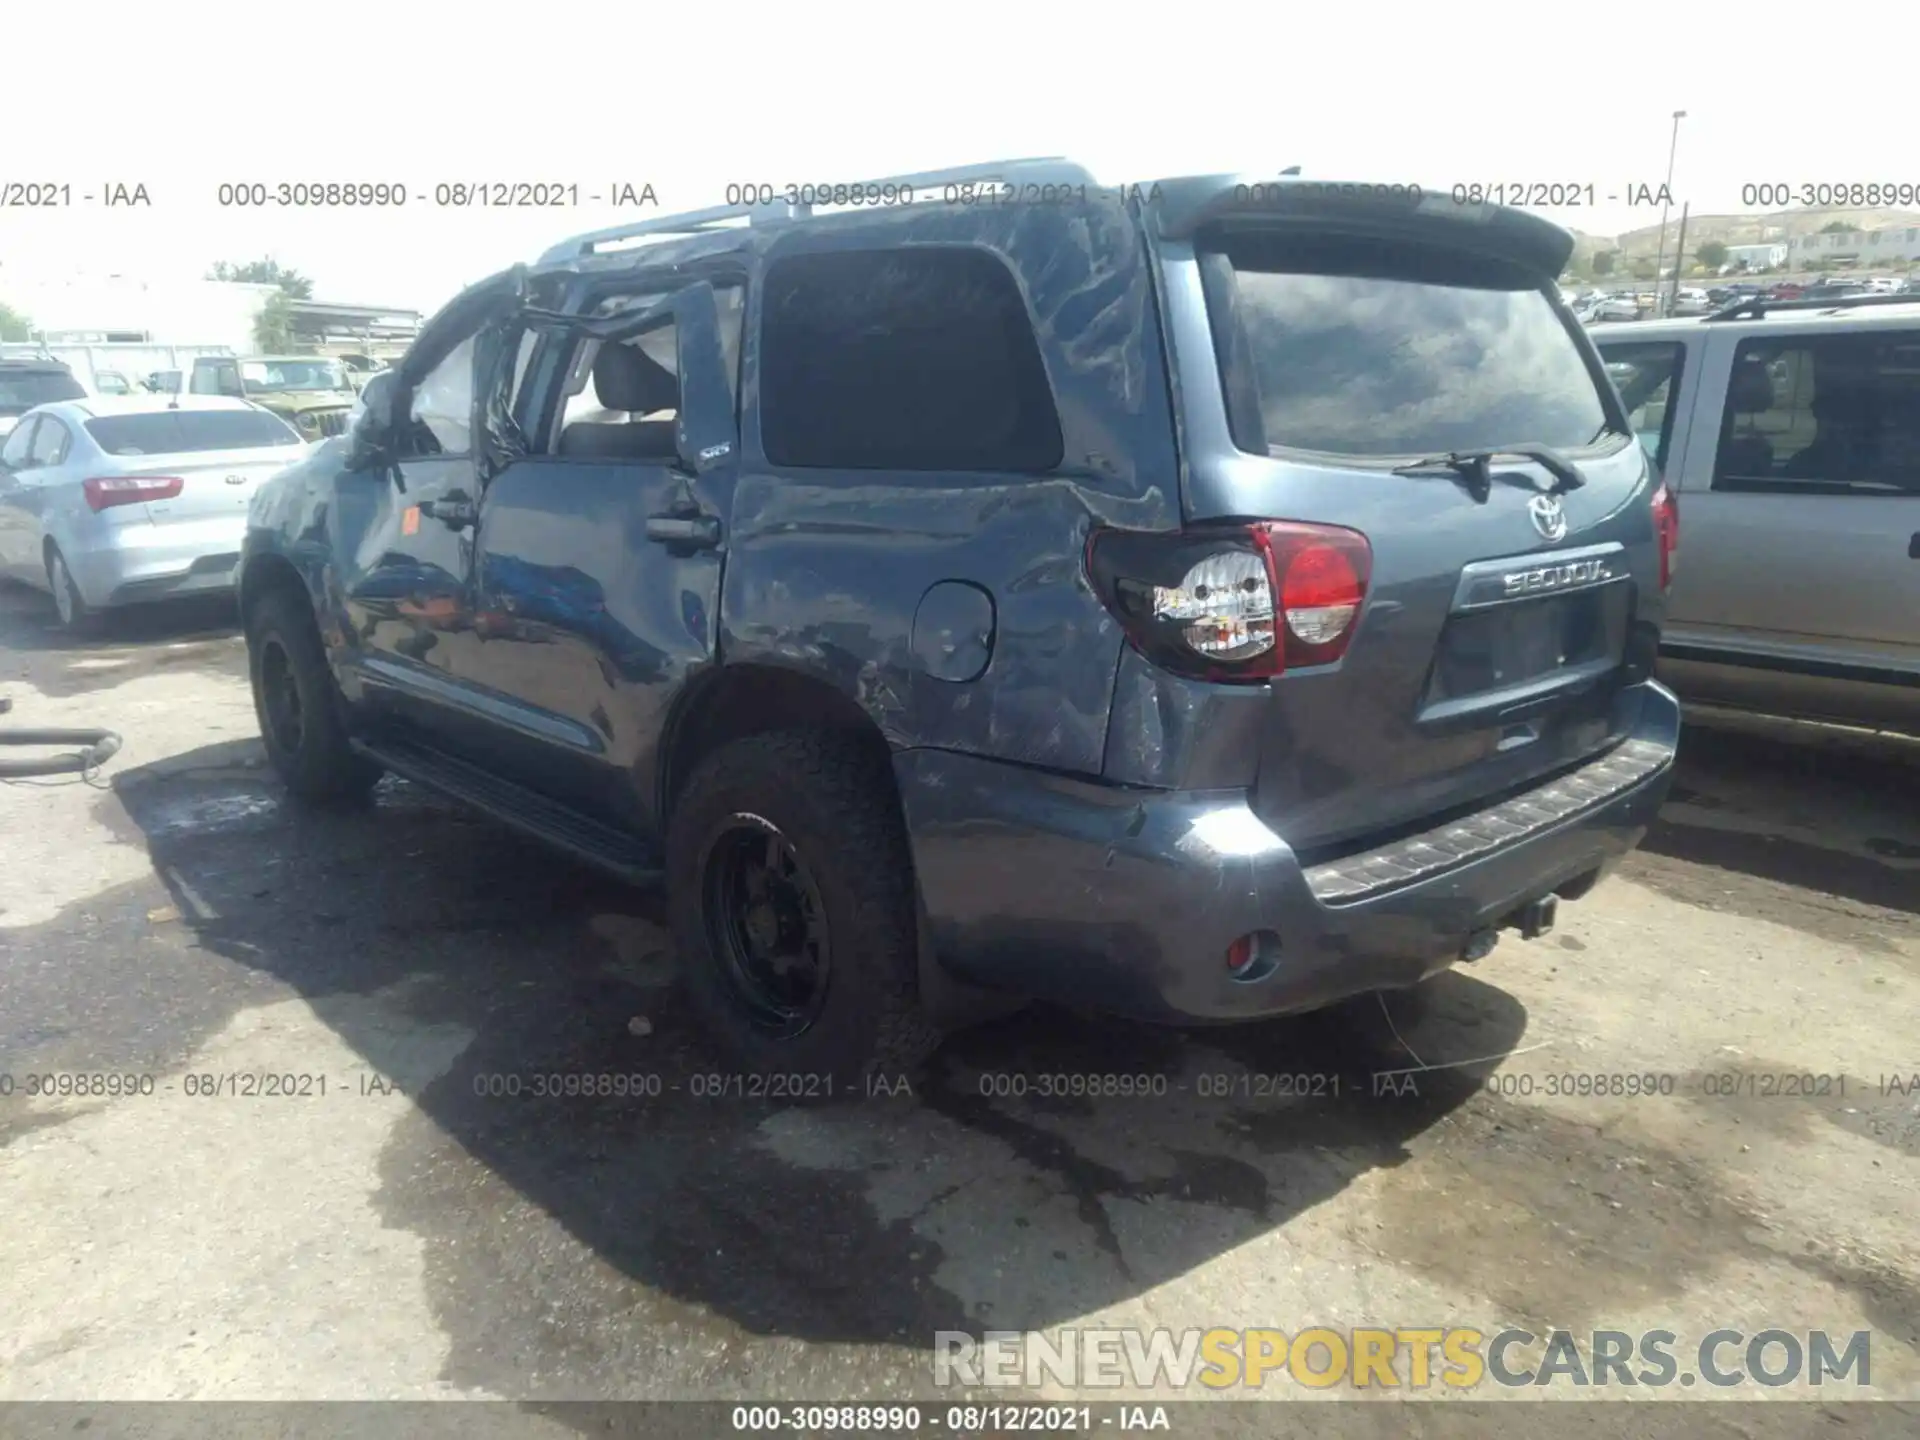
(826,569)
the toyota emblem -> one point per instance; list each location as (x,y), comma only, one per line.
(1548,518)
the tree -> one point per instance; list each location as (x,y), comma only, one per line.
(1711,254)
(14,325)
(273,326)
(1602,262)
(1836,227)
(1643,269)
(264,272)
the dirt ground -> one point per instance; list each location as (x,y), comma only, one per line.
(407,1235)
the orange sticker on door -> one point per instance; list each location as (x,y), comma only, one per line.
(410,521)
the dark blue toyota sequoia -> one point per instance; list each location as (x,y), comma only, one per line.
(1199,600)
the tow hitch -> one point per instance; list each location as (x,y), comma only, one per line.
(1536,918)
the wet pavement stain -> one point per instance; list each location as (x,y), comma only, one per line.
(1789,1101)
(1686,795)
(1565,1224)
(1787,862)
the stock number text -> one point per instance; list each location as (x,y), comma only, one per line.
(1073,1084)
(1777,193)
(1606,1084)
(84,1086)
(764,192)
(311,195)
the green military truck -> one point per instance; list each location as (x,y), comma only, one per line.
(311,392)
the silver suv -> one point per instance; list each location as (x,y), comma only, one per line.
(1790,432)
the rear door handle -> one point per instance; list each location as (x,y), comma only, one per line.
(695,532)
(1913,546)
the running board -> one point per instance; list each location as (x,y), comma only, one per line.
(532,814)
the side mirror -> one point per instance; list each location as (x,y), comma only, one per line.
(370,435)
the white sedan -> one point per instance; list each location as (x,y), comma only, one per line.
(110,502)
(1609,307)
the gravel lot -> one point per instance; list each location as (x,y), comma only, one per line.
(405,1237)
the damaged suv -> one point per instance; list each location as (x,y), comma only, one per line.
(1199,601)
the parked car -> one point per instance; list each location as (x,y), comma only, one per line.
(1691,302)
(164,382)
(30,382)
(935,661)
(1792,438)
(107,502)
(310,392)
(1610,307)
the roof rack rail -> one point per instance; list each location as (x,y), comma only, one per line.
(1042,170)
(1758,307)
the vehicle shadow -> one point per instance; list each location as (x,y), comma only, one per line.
(1045,1167)
(1810,807)
(28,622)
(196,633)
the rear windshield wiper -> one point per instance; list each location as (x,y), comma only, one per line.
(1476,468)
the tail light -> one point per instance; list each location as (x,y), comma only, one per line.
(1238,603)
(1666,526)
(111,490)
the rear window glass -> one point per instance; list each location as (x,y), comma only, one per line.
(179,432)
(21,390)
(1363,349)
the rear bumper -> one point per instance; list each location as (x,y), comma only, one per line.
(130,564)
(1127,900)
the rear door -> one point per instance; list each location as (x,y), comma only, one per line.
(1327,343)
(17,524)
(48,493)
(1802,573)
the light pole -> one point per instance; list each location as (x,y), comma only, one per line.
(1660,262)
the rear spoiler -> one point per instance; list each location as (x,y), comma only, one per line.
(1181,209)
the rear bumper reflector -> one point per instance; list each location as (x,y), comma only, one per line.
(1403,862)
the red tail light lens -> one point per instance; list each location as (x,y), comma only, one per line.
(1666,526)
(1236,603)
(111,490)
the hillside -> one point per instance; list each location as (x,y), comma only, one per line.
(1780,226)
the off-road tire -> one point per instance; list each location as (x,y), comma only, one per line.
(317,765)
(834,803)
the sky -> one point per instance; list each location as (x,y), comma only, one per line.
(597,94)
